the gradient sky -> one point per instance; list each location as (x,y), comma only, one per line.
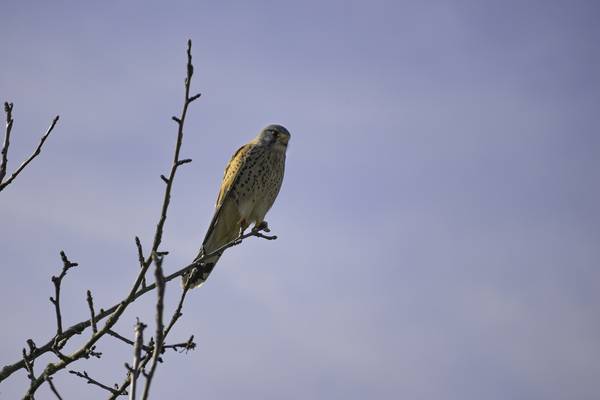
(438,226)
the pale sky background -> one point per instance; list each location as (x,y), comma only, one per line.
(439,222)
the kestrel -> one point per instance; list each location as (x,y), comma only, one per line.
(250,185)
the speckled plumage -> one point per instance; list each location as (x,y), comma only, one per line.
(250,185)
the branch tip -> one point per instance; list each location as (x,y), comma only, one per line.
(185,161)
(194,97)
(3,164)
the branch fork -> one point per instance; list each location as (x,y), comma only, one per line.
(8,107)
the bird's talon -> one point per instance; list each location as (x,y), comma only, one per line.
(263,226)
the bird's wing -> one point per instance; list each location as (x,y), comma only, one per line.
(224,226)
(234,166)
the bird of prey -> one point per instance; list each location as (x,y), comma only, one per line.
(250,185)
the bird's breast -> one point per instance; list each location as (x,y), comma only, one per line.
(258,183)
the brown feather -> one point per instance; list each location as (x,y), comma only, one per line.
(212,242)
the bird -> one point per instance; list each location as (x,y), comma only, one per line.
(250,185)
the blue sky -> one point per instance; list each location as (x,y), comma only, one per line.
(438,224)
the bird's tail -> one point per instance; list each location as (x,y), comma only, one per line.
(223,229)
(199,275)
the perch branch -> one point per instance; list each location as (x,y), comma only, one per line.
(78,328)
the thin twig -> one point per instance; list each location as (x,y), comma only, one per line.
(92,381)
(53,388)
(121,389)
(29,363)
(177,314)
(186,346)
(171,178)
(9,123)
(57,280)
(3,164)
(90,301)
(138,245)
(125,340)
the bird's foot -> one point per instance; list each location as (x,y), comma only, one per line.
(263,226)
(243,227)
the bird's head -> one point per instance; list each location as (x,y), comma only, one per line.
(274,135)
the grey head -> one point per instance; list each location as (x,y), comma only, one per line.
(274,135)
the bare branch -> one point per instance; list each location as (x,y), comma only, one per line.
(92,381)
(137,358)
(57,280)
(186,346)
(90,301)
(53,388)
(138,244)
(159,335)
(120,389)
(125,340)
(181,121)
(78,328)
(3,164)
(177,314)
(84,351)
(138,289)
(29,364)
(195,97)
(189,345)
(9,123)
(186,161)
